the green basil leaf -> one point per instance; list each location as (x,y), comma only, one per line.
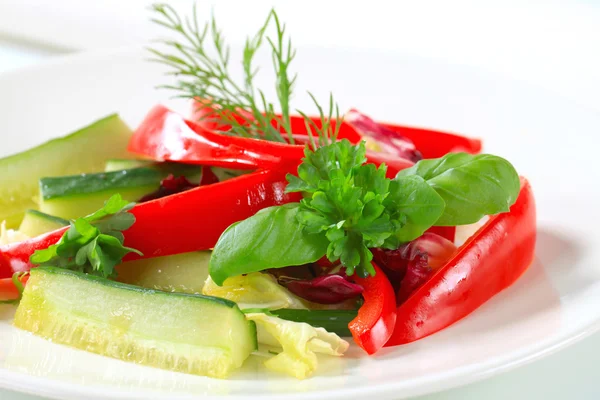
(420,203)
(472,186)
(272,238)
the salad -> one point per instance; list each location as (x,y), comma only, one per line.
(248,228)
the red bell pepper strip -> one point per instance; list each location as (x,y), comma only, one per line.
(8,290)
(14,257)
(166,136)
(194,220)
(374,324)
(490,261)
(431,143)
(434,144)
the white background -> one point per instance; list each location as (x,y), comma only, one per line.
(553,44)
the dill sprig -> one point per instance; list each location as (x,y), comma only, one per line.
(199,59)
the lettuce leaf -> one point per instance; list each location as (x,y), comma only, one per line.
(299,343)
(255,290)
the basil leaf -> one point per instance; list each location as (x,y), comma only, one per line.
(472,186)
(419,202)
(272,238)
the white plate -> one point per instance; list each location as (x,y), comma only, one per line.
(550,140)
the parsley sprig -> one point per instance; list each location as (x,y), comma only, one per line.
(346,199)
(92,244)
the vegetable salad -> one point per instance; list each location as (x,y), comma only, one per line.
(248,228)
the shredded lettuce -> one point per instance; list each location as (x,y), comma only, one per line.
(299,343)
(10,235)
(255,290)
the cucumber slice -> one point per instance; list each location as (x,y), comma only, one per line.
(78,195)
(36,222)
(185,273)
(83,151)
(181,332)
(117,164)
(335,321)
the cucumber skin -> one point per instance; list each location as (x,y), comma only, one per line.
(335,321)
(19,173)
(118,164)
(125,286)
(78,195)
(36,223)
(52,318)
(84,184)
(51,218)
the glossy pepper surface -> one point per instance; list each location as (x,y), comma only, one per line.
(376,319)
(490,261)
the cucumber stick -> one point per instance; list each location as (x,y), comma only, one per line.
(335,321)
(181,332)
(36,222)
(78,195)
(83,151)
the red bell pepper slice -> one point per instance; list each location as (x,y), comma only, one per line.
(434,144)
(431,143)
(194,220)
(490,261)
(166,135)
(374,324)
(8,290)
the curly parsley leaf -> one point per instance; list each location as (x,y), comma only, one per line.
(92,244)
(347,200)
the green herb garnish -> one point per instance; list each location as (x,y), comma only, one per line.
(92,244)
(350,207)
(200,62)
(355,205)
